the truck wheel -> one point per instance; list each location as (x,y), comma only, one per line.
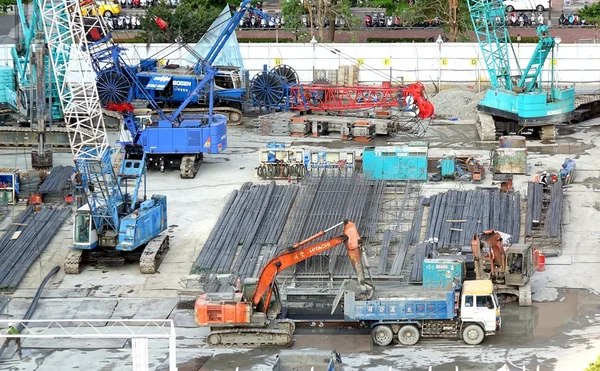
(382,335)
(473,335)
(408,335)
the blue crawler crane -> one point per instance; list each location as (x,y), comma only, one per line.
(518,103)
(114,226)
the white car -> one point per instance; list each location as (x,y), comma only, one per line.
(538,5)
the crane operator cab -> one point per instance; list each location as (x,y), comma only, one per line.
(84,234)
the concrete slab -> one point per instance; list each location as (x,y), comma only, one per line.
(560,260)
(127,308)
(77,292)
(170,276)
(183,318)
(155,309)
(80,344)
(55,309)
(95,309)
(115,291)
(581,258)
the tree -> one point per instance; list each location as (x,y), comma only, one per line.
(595,366)
(591,13)
(190,20)
(453,15)
(322,11)
(5,6)
(292,11)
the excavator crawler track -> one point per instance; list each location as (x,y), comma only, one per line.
(73,262)
(189,166)
(486,127)
(276,334)
(547,132)
(154,253)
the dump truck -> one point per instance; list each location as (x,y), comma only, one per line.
(469,311)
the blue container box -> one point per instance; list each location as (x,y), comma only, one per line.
(448,167)
(440,273)
(396,163)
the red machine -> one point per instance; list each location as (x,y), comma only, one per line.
(250,317)
(319,97)
(509,267)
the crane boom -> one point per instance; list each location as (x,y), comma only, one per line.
(67,33)
(494,40)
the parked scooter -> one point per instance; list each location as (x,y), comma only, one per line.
(562,20)
(128,22)
(513,19)
(110,23)
(381,20)
(144,4)
(397,22)
(136,3)
(389,22)
(368,21)
(375,19)
(120,24)
(540,19)
(123,3)
(129,4)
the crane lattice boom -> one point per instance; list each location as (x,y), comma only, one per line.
(67,33)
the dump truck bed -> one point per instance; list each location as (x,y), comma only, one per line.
(406,303)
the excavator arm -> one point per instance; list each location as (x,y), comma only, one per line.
(496,254)
(300,252)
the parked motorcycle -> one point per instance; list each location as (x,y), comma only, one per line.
(368,21)
(513,19)
(120,25)
(375,19)
(129,4)
(128,22)
(144,4)
(136,3)
(109,23)
(397,22)
(381,20)
(123,3)
(305,20)
(389,22)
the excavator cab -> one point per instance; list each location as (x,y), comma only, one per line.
(521,263)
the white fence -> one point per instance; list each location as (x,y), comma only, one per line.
(447,63)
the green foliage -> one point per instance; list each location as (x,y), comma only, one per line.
(591,13)
(595,366)
(292,11)
(525,39)
(189,20)
(5,6)
(428,10)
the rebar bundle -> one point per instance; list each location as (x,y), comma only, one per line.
(56,180)
(455,216)
(25,240)
(253,218)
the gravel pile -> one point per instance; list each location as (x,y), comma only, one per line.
(455,103)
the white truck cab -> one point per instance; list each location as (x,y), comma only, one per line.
(479,305)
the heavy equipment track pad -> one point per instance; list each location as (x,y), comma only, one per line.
(154,253)
(276,334)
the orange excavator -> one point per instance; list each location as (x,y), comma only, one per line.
(250,317)
(510,268)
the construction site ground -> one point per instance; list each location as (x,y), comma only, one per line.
(560,332)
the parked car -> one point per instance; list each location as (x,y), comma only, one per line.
(538,5)
(106,8)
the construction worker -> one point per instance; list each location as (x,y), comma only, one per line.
(544,179)
(14,331)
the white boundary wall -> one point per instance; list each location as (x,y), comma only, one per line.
(449,63)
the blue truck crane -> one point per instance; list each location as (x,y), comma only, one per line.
(519,103)
(114,226)
(177,139)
